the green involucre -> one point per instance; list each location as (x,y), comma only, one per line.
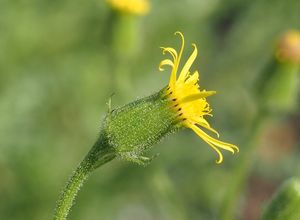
(135,127)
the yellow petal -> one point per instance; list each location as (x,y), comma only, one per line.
(202,122)
(171,50)
(173,76)
(193,79)
(188,64)
(220,144)
(220,160)
(200,95)
(165,62)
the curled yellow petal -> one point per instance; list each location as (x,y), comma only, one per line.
(164,63)
(170,50)
(173,76)
(221,144)
(220,160)
(202,122)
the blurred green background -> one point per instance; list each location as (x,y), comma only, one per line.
(57,74)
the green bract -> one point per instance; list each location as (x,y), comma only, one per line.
(133,128)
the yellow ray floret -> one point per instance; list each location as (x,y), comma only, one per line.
(188,101)
(138,7)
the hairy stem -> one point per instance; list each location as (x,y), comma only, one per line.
(98,155)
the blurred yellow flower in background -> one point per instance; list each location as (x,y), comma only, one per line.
(289,47)
(137,7)
(189,101)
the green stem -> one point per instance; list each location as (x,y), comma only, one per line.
(98,155)
(124,46)
(246,159)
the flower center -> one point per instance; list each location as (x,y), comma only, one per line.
(186,100)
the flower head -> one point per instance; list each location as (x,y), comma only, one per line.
(132,129)
(188,101)
(137,7)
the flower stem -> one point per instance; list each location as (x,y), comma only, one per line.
(228,211)
(98,155)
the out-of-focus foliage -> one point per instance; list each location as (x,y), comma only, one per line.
(285,204)
(56,76)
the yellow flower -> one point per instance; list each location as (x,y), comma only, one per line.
(289,47)
(137,7)
(189,101)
